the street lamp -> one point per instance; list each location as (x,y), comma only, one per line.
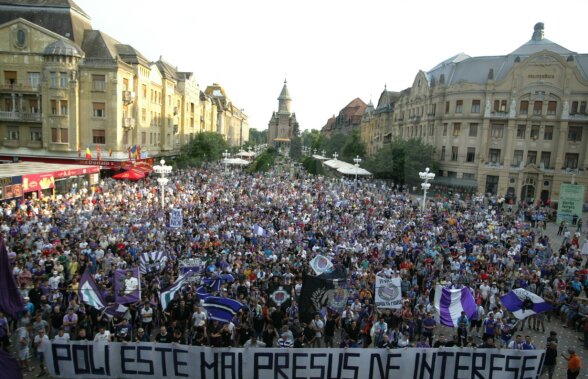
(323,153)
(335,156)
(426,176)
(357,161)
(162,170)
(226,156)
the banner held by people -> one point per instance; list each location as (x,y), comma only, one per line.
(388,293)
(168,294)
(10,300)
(152,262)
(89,292)
(523,303)
(127,285)
(144,360)
(321,264)
(176,218)
(450,302)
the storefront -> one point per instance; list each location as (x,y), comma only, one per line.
(37,180)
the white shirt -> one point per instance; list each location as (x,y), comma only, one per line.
(64,338)
(131,285)
(147,314)
(102,337)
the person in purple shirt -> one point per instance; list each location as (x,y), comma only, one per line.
(429,324)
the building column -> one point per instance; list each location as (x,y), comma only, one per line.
(510,130)
(561,145)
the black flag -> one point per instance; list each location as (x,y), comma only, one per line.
(326,290)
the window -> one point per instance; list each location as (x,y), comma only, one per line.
(537,108)
(524,107)
(545,158)
(473,130)
(98,110)
(517,158)
(459,106)
(574,109)
(454,153)
(494,155)
(456,129)
(531,157)
(475,106)
(53,79)
(444,129)
(63,79)
(583,107)
(497,131)
(571,160)
(13,133)
(59,135)
(143,114)
(33,106)
(34,79)
(442,158)
(433,109)
(534,131)
(521,129)
(471,154)
(125,137)
(144,91)
(575,134)
(125,84)
(548,133)
(447,107)
(36,134)
(54,107)
(63,107)
(499,105)
(143,138)
(551,108)
(451,174)
(99,136)
(469,176)
(98,82)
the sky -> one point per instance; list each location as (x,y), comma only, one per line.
(329,51)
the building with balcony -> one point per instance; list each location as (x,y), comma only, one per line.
(514,125)
(65,87)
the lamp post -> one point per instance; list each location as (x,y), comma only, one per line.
(226,156)
(162,170)
(335,156)
(426,176)
(323,153)
(357,161)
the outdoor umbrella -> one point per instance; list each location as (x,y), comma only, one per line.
(130,175)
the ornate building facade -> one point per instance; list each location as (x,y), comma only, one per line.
(65,88)
(348,119)
(513,125)
(283,123)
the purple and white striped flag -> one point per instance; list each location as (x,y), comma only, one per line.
(449,303)
(523,303)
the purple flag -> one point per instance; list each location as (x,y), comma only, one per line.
(449,304)
(127,286)
(9,366)
(523,303)
(10,299)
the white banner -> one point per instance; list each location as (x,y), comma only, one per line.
(388,293)
(176,218)
(149,360)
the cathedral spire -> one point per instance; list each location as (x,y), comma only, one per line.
(284,99)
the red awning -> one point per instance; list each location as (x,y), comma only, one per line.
(130,175)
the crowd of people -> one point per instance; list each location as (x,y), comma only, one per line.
(367,227)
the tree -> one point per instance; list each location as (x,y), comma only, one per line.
(353,147)
(312,138)
(334,144)
(257,137)
(295,144)
(205,147)
(402,160)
